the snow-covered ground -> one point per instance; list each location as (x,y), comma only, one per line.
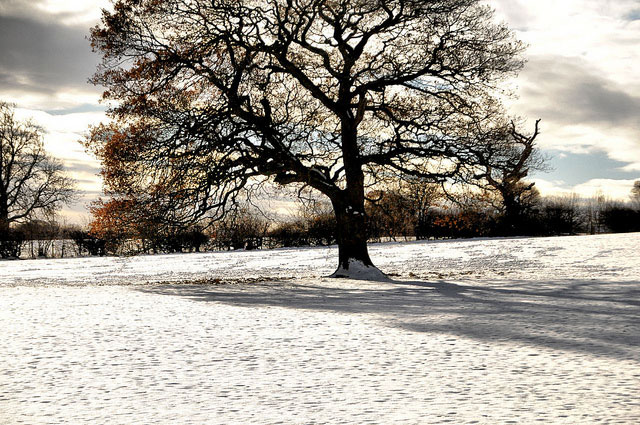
(521,330)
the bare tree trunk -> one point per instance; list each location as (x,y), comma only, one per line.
(4,222)
(353,254)
(352,235)
(510,215)
(348,206)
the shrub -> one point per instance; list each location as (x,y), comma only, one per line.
(89,243)
(240,230)
(11,244)
(619,218)
(560,219)
(290,234)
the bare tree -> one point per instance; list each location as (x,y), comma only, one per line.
(400,209)
(593,210)
(30,180)
(424,197)
(635,194)
(506,161)
(212,96)
(392,214)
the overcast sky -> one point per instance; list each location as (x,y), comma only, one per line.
(581,79)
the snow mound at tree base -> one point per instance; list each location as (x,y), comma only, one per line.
(358,270)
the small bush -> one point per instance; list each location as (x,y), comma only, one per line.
(321,230)
(290,234)
(621,219)
(11,244)
(240,230)
(89,243)
(560,218)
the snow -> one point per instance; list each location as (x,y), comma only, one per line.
(358,270)
(574,257)
(474,331)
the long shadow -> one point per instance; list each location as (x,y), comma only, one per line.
(595,317)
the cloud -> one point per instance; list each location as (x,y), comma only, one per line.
(63,132)
(573,169)
(581,78)
(44,58)
(633,15)
(618,190)
(613,189)
(582,110)
(552,187)
(516,13)
(45,64)
(599,32)
(569,91)
(66,12)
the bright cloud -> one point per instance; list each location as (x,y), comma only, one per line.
(612,189)
(67,12)
(618,190)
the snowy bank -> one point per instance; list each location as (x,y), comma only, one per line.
(572,257)
(480,331)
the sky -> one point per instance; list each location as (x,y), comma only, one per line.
(581,80)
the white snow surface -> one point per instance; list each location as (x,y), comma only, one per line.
(518,330)
(358,270)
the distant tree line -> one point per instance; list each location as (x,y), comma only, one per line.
(47,238)
(406,211)
(480,214)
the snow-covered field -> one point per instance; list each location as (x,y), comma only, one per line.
(521,330)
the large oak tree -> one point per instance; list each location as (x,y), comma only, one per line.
(210,96)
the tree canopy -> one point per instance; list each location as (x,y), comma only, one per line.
(31,180)
(212,96)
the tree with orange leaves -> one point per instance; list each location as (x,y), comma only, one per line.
(114,221)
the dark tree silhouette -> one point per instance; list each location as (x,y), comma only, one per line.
(635,194)
(506,162)
(214,95)
(30,180)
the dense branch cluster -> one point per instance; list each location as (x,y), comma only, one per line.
(214,93)
(30,179)
(337,95)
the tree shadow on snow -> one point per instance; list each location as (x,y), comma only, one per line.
(595,317)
